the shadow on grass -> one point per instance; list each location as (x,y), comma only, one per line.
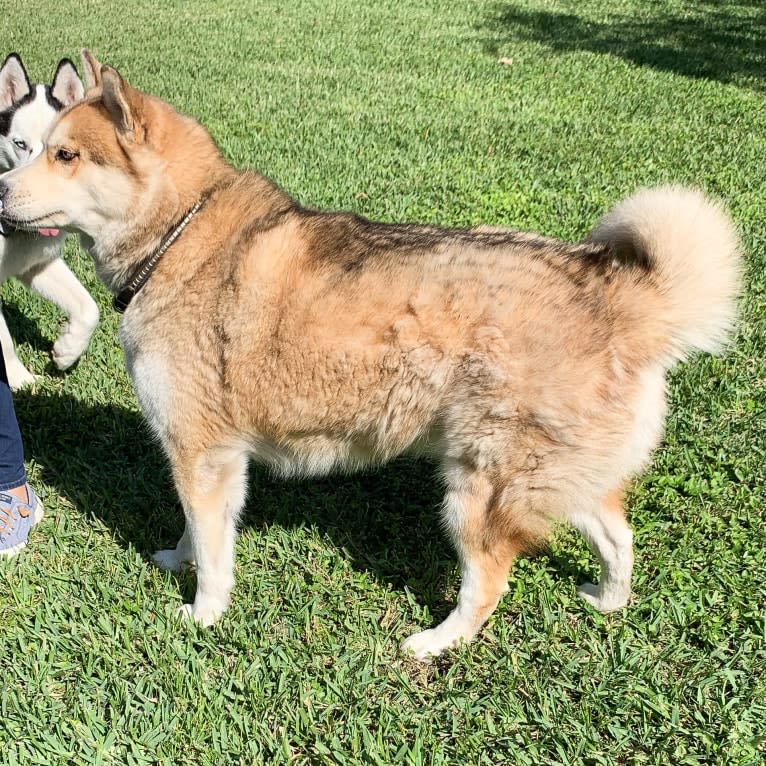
(101,458)
(709,39)
(24,329)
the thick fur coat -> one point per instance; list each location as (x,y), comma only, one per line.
(532,370)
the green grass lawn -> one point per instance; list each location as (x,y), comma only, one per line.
(401,111)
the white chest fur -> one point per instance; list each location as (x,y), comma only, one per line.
(150,372)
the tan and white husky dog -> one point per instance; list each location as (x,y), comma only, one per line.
(34,257)
(532,370)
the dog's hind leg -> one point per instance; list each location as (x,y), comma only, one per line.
(212,488)
(487,541)
(55,282)
(610,538)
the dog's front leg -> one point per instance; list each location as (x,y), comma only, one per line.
(18,375)
(55,282)
(212,487)
(173,559)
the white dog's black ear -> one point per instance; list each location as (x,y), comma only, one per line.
(67,86)
(92,69)
(14,83)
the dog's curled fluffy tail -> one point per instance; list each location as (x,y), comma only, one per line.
(687,248)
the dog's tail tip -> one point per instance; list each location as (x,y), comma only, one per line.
(690,249)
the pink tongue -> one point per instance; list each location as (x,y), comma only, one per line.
(48,232)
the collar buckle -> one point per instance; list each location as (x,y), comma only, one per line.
(123,298)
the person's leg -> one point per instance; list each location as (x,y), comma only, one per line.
(13,477)
(20,509)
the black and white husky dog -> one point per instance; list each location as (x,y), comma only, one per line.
(26,113)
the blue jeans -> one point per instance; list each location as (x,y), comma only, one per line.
(12,473)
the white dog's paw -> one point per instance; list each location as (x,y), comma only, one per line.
(205,615)
(426,645)
(19,376)
(70,345)
(602,602)
(169,560)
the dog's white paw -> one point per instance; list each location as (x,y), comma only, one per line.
(427,644)
(70,345)
(602,602)
(169,560)
(18,375)
(205,615)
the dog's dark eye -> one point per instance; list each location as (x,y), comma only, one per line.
(64,155)
(21,144)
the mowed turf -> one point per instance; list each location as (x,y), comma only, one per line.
(401,111)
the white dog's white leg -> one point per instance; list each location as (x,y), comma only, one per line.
(610,538)
(54,281)
(18,375)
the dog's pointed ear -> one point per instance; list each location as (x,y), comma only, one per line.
(123,104)
(14,83)
(92,69)
(67,85)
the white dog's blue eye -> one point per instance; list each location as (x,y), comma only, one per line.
(21,144)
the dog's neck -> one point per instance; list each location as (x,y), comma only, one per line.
(122,299)
(123,239)
(119,254)
(119,257)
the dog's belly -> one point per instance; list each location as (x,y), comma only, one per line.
(319,454)
(295,432)
(311,455)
